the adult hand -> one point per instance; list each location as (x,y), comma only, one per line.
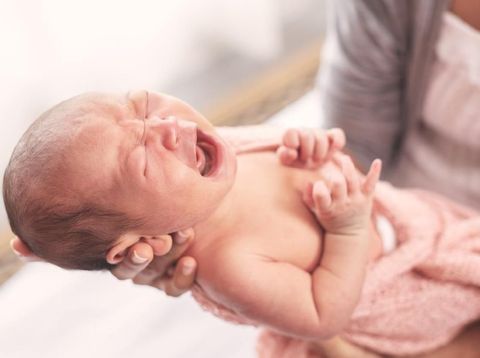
(171,272)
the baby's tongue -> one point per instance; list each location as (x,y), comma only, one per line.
(201,161)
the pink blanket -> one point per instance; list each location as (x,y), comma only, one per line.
(417,297)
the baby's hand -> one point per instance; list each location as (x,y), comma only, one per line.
(309,148)
(343,205)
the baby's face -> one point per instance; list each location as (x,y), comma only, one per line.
(157,158)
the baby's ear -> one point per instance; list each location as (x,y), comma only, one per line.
(119,250)
(160,244)
(22,250)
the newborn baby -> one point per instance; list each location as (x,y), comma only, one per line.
(285,246)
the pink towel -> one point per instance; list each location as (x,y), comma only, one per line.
(417,297)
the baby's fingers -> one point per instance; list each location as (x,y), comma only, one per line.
(286,155)
(372,177)
(337,138)
(349,172)
(321,147)
(321,197)
(291,138)
(307,145)
(307,196)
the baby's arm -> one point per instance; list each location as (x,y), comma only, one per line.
(343,208)
(286,298)
(273,294)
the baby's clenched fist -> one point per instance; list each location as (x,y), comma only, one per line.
(309,148)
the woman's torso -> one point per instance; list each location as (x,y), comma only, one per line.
(442,151)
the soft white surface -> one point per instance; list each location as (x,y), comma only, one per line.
(49,312)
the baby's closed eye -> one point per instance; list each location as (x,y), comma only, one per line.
(137,161)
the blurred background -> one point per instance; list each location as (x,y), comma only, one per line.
(237,61)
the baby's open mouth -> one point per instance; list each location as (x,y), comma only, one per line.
(205,153)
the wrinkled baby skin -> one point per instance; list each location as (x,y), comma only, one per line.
(156,158)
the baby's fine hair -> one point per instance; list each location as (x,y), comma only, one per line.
(43,210)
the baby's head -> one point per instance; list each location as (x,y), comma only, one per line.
(98,173)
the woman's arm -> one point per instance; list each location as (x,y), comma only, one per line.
(362,75)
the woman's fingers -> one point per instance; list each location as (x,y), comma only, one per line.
(182,279)
(138,258)
(160,264)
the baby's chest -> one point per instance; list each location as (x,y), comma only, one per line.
(276,223)
(288,238)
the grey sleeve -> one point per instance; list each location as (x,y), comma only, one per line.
(361,80)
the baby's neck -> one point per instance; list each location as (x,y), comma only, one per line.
(227,218)
(220,222)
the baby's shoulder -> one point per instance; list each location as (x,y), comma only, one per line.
(227,272)
(227,257)
(220,251)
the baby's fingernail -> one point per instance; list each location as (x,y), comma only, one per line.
(188,268)
(136,258)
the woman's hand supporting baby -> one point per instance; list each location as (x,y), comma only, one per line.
(169,272)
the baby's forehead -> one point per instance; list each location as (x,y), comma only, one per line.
(101,113)
(106,107)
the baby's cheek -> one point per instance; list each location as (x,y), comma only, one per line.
(136,162)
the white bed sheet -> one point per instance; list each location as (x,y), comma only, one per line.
(49,312)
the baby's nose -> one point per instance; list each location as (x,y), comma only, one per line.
(167,128)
